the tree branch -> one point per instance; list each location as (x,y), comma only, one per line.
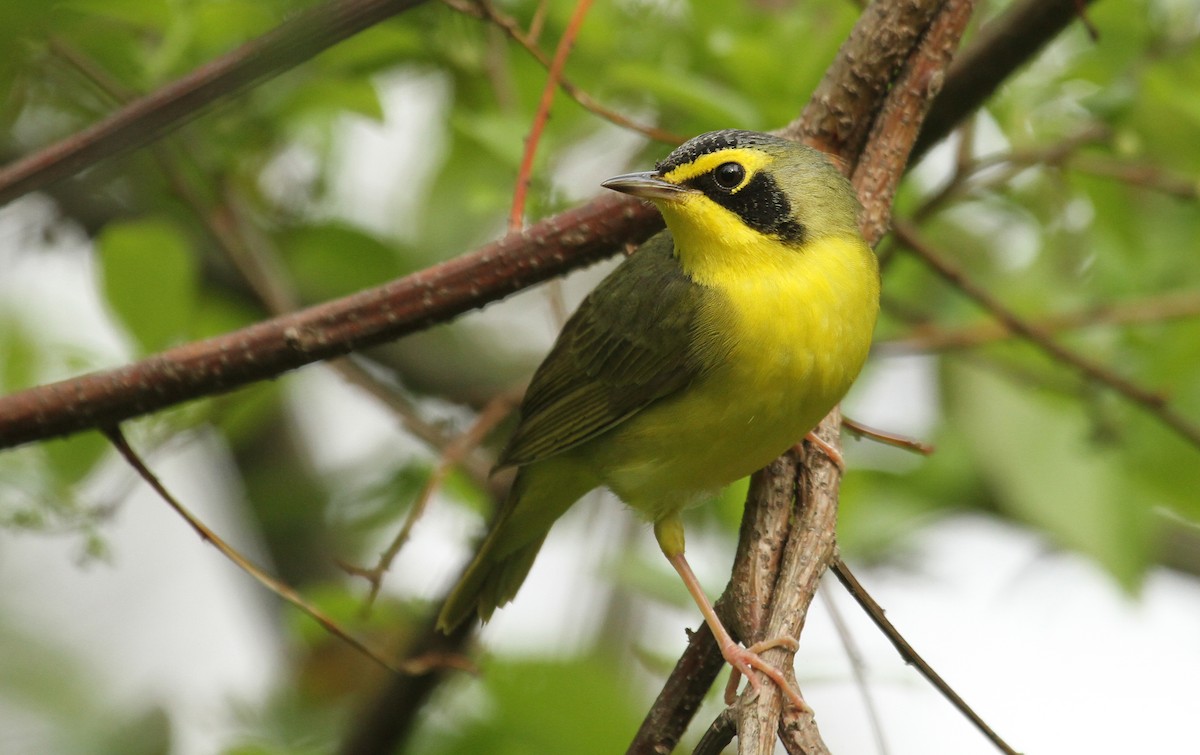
(886,155)
(1003,45)
(910,656)
(148,118)
(269,348)
(773,514)
(1152,402)
(807,495)
(838,117)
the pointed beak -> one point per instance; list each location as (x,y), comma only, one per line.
(646,185)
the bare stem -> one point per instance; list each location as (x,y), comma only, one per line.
(419,665)
(1152,402)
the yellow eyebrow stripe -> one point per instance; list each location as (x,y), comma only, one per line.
(752,160)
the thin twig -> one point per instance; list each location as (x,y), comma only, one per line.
(718,734)
(910,656)
(1003,167)
(1148,310)
(452,455)
(1003,45)
(418,665)
(542,114)
(1141,175)
(537,23)
(887,438)
(1153,403)
(857,668)
(485,11)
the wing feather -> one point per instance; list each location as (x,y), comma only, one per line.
(628,345)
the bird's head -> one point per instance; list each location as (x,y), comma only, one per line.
(735,187)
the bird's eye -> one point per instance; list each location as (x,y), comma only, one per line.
(729,175)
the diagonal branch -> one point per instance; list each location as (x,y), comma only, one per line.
(146,119)
(1152,402)
(910,656)
(553,81)
(269,348)
(840,114)
(416,665)
(1002,46)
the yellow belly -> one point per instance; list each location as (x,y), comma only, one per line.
(796,339)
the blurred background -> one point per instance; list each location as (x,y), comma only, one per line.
(1044,559)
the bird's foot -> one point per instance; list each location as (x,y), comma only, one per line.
(830,452)
(745,661)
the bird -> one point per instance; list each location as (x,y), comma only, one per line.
(715,347)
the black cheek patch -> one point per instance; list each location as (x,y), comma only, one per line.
(761,204)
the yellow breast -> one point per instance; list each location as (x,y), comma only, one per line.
(796,327)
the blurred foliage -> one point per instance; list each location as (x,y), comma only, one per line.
(400,147)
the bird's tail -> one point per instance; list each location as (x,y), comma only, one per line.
(539,496)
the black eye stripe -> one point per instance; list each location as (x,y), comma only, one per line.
(760,203)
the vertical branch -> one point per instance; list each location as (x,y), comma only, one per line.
(892,136)
(810,546)
(808,492)
(841,115)
(838,117)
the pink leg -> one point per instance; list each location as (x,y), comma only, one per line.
(743,660)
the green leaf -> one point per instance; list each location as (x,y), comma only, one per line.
(18,354)
(330,97)
(136,13)
(1036,453)
(72,458)
(712,101)
(593,710)
(335,260)
(149,280)
(220,312)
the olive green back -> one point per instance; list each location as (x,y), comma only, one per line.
(629,344)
